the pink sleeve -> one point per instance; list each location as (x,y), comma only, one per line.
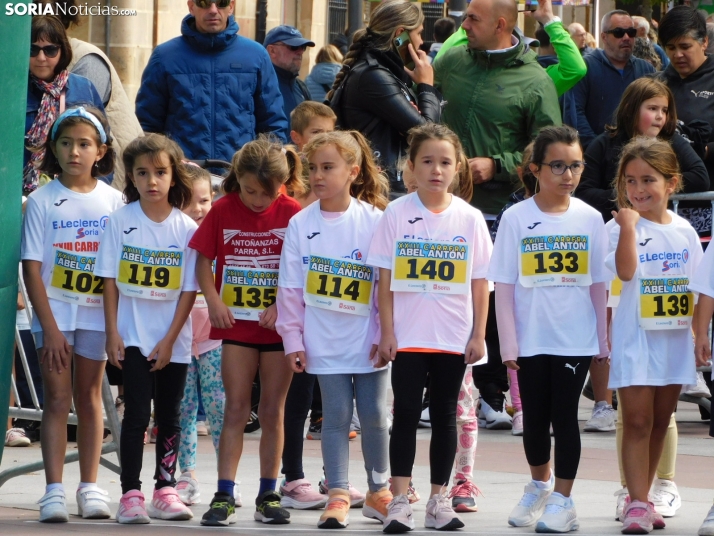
(506,320)
(598,295)
(291,319)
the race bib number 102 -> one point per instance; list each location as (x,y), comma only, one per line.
(426,266)
(555,261)
(73,280)
(248,291)
(152,274)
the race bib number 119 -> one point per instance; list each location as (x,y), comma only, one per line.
(152,274)
(425,266)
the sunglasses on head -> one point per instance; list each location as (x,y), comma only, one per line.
(206,4)
(50,51)
(619,33)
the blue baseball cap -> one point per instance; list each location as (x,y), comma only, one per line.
(289,35)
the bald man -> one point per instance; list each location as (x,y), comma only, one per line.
(579,36)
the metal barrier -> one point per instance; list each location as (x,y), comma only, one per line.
(111,420)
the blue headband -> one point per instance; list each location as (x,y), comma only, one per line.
(79,112)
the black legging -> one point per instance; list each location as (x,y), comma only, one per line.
(304,393)
(409,371)
(550,391)
(169,384)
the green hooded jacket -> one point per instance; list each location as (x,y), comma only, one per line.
(496,102)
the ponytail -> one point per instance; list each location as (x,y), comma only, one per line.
(295,184)
(465,184)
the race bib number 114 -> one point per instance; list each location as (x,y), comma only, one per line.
(341,285)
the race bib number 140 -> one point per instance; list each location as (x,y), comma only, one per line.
(555,261)
(425,266)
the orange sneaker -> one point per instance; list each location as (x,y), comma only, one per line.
(375,505)
(353,434)
(336,514)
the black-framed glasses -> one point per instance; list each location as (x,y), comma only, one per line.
(558,168)
(619,33)
(206,4)
(293,48)
(50,51)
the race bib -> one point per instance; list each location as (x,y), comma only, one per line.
(555,261)
(151,274)
(665,303)
(425,266)
(73,279)
(340,285)
(613,298)
(248,291)
(200,302)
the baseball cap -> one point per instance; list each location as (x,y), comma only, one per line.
(286,34)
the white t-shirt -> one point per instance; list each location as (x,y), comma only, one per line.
(144,322)
(431,320)
(558,319)
(335,342)
(653,357)
(59,218)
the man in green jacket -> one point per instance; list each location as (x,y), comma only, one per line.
(498,98)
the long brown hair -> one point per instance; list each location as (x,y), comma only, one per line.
(627,115)
(370,185)
(658,154)
(271,163)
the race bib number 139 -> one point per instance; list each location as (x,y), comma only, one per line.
(152,274)
(555,261)
(248,291)
(666,303)
(426,266)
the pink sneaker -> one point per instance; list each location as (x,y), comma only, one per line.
(299,494)
(638,518)
(657,518)
(131,508)
(167,505)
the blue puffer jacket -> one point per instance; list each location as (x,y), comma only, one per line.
(79,91)
(211,93)
(321,78)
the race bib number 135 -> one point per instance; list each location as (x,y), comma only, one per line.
(248,291)
(555,261)
(425,266)
(152,274)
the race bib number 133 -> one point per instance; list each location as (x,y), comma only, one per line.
(555,261)
(426,266)
(152,274)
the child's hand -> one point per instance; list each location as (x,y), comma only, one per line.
(511,364)
(377,361)
(20,302)
(268,317)
(56,351)
(475,350)
(162,354)
(115,349)
(626,217)
(220,315)
(387,349)
(297,361)
(702,351)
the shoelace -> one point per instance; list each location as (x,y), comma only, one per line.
(334,504)
(466,489)
(399,503)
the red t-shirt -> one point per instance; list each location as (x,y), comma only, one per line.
(234,235)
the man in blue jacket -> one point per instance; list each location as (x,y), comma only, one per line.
(211,90)
(589,106)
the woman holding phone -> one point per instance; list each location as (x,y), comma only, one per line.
(386,85)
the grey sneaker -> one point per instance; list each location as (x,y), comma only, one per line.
(400,517)
(530,507)
(603,418)
(559,515)
(440,515)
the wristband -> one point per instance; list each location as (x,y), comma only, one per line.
(553,20)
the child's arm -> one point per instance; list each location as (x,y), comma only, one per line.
(290,326)
(702,315)
(506,320)
(388,342)
(115,344)
(626,252)
(598,296)
(218,312)
(476,347)
(164,348)
(55,347)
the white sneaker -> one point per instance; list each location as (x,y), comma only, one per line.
(237,495)
(93,503)
(187,489)
(425,419)
(491,419)
(559,515)
(201,428)
(440,515)
(699,389)
(603,418)
(622,495)
(665,497)
(400,517)
(16,437)
(531,505)
(53,507)
(707,528)
(517,429)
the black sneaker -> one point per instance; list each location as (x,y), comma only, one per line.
(269,511)
(315,430)
(222,511)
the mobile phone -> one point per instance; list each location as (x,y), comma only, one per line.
(401,43)
(531,5)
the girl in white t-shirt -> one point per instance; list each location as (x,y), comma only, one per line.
(655,253)
(550,303)
(327,315)
(432,250)
(64,221)
(150,287)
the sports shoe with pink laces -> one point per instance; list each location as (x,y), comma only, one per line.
(463,496)
(299,494)
(412,493)
(638,518)
(131,508)
(167,505)
(356,496)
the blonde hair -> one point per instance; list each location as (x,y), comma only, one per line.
(304,112)
(379,34)
(329,54)
(658,154)
(271,163)
(370,185)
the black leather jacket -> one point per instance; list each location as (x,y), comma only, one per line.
(375,99)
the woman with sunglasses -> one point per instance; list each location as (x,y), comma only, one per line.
(51,89)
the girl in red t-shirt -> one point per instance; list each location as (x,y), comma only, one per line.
(244,233)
